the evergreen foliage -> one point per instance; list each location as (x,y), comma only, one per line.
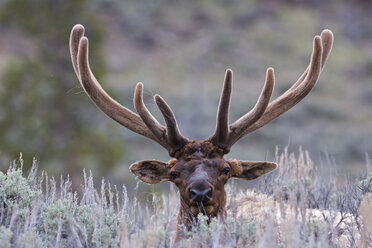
(41,112)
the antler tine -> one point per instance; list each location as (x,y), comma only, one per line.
(225,135)
(302,87)
(169,136)
(174,136)
(124,116)
(263,112)
(222,128)
(150,121)
(77,33)
(239,126)
(144,123)
(327,41)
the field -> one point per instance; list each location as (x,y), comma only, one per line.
(292,207)
(53,194)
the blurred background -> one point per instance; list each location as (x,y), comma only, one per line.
(180,50)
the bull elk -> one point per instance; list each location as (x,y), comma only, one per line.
(199,168)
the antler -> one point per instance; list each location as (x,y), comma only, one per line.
(145,123)
(226,135)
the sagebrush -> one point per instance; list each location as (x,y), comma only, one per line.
(292,207)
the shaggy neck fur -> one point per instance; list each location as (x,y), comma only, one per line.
(187,219)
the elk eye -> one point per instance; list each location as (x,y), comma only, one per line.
(173,175)
(226,170)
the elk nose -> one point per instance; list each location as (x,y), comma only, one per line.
(201,196)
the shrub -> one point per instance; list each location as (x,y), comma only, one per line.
(291,207)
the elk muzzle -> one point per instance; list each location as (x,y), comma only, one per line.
(201,198)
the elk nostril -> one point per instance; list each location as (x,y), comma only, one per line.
(208,193)
(196,195)
(193,193)
(201,196)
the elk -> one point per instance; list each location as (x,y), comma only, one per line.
(198,168)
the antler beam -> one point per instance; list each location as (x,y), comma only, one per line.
(226,135)
(144,124)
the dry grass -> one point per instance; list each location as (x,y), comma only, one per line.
(291,207)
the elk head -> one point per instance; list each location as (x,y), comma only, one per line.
(199,168)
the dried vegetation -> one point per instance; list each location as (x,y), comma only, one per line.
(292,207)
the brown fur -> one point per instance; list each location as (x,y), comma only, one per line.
(207,148)
(199,164)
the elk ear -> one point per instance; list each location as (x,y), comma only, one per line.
(249,170)
(151,171)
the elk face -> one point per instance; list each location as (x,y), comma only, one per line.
(200,173)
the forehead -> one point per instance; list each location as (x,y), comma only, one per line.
(208,162)
(202,149)
(192,165)
(196,154)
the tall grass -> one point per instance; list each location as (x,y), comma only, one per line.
(292,207)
